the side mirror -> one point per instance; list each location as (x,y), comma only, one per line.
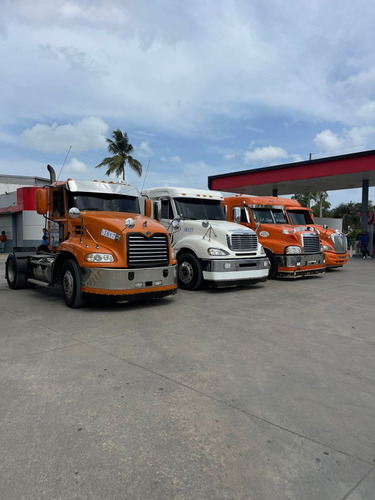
(325,226)
(176,222)
(237,214)
(257,227)
(147,207)
(158,210)
(42,201)
(74,212)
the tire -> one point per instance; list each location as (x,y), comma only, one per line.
(16,272)
(274,266)
(189,272)
(72,284)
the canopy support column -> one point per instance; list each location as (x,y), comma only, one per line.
(364,219)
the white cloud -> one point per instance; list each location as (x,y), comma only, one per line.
(252,129)
(144,150)
(118,60)
(76,166)
(7,138)
(84,135)
(367,112)
(196,79)
(265,155)
(295,157)
(171,159)
(356,138)
(328,140)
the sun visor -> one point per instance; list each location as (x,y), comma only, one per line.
(103,187)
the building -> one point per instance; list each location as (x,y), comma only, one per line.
(18,216)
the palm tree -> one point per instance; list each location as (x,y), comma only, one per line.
(121,149)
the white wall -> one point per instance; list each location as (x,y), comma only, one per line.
(332,223)
(33,223)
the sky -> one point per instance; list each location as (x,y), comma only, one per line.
(201,87)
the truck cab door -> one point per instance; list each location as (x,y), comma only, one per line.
(165,216)
(58,222)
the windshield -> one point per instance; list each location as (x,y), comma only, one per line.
(300,217)
(103,202)
(195,209)
(269,216)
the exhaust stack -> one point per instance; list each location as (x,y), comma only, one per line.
(52,174)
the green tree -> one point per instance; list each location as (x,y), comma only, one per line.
(321,208)
(305,199)
(317,201)
(350,213)
(120,149)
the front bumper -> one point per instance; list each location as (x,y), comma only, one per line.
(235,271)
(336,259)
(293,266)
(109,281)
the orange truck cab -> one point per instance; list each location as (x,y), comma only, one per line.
(293,252)
(334,242)
(99,244)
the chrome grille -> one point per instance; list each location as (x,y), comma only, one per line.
(242,241)
(310,242)
(147,252)
(339,242)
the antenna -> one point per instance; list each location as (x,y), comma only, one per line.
(148,164)
(70,147)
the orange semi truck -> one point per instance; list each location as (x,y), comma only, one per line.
(293,252)
(99,244)
(334,242)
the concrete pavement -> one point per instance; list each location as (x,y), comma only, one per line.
(262,392)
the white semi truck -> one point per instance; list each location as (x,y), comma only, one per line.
(208,248)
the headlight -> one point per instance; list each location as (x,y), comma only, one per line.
(326,248)
(261,249)
(99,257)
(217,252)
(174,254)
(292,250)
(129,223)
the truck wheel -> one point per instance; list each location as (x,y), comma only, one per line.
(16,272)
(72,284)
(273,265)
(190,276)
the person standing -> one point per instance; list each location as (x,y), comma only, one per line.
(3,239)
(43,247)
(364,239)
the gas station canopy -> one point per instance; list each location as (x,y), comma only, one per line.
(325,174)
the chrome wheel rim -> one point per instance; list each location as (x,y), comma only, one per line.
(186,272)
(68,284)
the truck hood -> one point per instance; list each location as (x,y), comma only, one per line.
(219,226)
(283,230)
(105,226)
